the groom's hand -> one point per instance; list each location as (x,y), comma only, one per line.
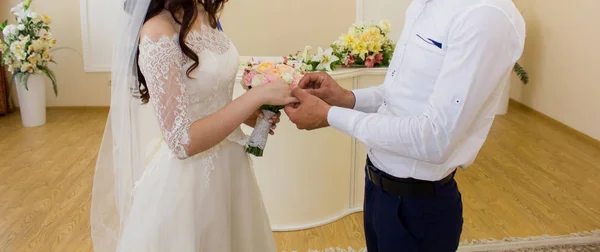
(323,86)
(310,113)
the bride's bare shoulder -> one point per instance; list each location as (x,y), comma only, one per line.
(159,26)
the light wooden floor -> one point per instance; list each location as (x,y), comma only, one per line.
(532,177)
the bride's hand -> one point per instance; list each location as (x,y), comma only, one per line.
(275,93)
(273,120)
(258,115)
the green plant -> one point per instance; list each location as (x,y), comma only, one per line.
(521,73)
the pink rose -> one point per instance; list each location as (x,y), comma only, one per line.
(268,79)
(248,76)
(297,78)
(285,60)
(370,61)
(378,58)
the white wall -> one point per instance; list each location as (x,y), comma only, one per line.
(392,10)
(563,62)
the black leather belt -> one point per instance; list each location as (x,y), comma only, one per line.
(404,187)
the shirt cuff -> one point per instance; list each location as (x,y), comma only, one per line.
(343,119)
(363,99)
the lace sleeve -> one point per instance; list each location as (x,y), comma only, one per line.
(161,61)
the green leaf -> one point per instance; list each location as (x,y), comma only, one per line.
(521,73)
(3,25)
(52,78)
(23,78)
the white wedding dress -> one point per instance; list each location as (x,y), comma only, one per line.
(208,202)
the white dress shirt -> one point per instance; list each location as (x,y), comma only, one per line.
(437,104)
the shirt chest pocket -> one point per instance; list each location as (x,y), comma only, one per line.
(425,54)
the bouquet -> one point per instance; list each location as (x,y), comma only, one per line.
(256,74)
(363,45)
(26,45)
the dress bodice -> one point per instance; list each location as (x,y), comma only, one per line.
(180,98)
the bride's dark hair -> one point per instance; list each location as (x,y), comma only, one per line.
(189,8)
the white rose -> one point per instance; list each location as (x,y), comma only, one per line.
(306,68)
(21,27)
(35,17)
(8,58)
(257,79)
(24,39)
(10,31)
(288,78)
(345,60)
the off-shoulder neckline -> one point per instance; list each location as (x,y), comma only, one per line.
(174,37)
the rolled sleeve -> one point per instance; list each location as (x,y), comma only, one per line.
(369,99)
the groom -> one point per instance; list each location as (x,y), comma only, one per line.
(431,115)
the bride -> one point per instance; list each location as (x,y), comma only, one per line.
(195,189)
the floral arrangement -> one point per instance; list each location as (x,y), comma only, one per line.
(256,74)
(26,45)
(363,45)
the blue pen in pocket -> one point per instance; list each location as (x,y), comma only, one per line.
(431,41)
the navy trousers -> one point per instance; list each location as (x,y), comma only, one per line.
(398,224)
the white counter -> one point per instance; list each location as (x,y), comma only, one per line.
(307,178)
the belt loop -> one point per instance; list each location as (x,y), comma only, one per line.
(379,178)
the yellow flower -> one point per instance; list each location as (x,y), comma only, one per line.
(360,49)
(347,40)
(37,45)
(284,69)
(46,19)
(27,67)
(34,59)
(46,56)
(52,43)
(265,67)
(373,39)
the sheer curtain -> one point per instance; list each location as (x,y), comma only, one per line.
(6,105)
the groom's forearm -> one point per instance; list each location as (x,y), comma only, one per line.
(347,100)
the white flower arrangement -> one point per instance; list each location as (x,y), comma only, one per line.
(27,45)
